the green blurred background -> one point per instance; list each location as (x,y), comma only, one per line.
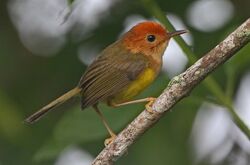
(44,51)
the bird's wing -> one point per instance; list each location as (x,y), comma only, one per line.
(113,70)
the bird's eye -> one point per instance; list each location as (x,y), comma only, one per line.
(151,38)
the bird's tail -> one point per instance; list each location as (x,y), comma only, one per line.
(40,113)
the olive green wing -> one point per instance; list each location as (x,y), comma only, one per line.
(113,70)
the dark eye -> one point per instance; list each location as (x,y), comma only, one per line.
(151,38)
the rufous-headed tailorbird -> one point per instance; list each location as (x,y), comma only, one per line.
(120,72)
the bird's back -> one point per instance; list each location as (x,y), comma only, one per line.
(115,70)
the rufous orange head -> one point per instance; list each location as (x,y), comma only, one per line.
(148,38)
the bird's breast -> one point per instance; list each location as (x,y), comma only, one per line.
(135,87)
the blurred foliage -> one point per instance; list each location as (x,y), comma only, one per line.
(29,81)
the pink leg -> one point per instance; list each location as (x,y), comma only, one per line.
(148,107)
(112,134)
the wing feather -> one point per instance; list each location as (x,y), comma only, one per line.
(113,70)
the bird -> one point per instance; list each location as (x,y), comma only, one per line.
(120,72)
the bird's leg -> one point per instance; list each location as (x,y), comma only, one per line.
(112,134)
(148,106)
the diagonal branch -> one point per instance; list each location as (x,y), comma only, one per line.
(178,88)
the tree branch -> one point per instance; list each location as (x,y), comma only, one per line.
(178,88)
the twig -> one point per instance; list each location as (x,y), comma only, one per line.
(178,88)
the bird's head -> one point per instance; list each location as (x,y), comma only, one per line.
(149,38)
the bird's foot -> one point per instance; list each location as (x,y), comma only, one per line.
(148,106)
(109,140)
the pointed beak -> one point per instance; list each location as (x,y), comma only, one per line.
(176,33)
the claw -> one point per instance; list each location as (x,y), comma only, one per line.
(148,106)
(109,140)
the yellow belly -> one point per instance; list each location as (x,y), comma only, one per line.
(133,89)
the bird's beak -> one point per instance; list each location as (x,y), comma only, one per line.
(176,33)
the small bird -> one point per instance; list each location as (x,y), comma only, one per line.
(120,72)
